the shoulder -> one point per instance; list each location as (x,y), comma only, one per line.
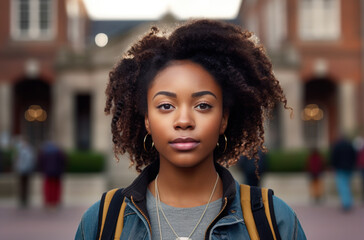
(92,212)
(287,221)
(87,229)
(288,224)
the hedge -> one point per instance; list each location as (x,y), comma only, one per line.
(85,162)
(6,159)
(289,160)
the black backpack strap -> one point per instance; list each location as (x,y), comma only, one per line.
(258,211)
(112,216)
(107,228)
(272,214)
(101,210)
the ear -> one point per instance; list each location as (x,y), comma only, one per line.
(146,122)
(224,122)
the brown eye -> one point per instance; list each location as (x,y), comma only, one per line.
(165,106)
(203,106)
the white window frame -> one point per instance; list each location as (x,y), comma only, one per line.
(75,25)
(276,22)
(317,22)
(34,31)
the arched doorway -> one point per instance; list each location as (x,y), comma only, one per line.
(320,112)
(31,114)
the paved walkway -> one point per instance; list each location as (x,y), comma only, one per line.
(39,224)
(329,222)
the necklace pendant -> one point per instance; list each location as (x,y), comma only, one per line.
(183,238)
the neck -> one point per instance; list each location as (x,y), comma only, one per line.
(187,187)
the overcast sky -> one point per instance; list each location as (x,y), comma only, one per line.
(154,9)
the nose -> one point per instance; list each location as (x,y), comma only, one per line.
(184,119)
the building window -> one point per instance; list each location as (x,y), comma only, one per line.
(76,25)
(83,121)
(32,19)
(319,19)
(276,22)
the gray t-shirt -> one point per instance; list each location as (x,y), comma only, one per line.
(183,220)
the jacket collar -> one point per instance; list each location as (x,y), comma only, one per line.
(137,190)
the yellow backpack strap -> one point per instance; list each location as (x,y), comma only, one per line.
(267,195)
(120,223)
(111,212)
(258,212)
(247,212)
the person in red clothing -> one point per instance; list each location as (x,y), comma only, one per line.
(315,166)
(52,162)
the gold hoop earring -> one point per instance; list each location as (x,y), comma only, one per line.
(145,138)
(218,144)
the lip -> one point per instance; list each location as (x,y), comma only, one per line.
(184,144)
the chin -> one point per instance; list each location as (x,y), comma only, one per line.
(188,159)
(184,162)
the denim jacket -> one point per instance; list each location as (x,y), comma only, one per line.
(229,224)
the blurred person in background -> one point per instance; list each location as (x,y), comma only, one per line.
(2,159)
(52,162)
(343,159)
(315,166)
(5,143)
(360,164)
(24,166)
(253,169)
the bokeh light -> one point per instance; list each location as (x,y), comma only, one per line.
(101,39)
(35,113)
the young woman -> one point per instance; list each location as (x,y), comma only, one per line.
(185,106)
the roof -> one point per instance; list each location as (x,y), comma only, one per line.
(113,28)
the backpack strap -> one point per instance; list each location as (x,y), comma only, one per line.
(260,214)
(101,208)
(111,212)
(272,215)
(257,205)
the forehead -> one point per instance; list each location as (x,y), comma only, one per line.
(184,76)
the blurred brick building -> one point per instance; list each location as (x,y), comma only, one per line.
(33,36)
(52,82)
(318,42)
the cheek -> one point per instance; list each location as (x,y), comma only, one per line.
(211,127)
(158,124)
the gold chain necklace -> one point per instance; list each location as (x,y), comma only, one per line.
(159,207)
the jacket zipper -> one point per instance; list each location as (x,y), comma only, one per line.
(222,209)
(150,228)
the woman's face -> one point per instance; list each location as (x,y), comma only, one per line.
(185,114)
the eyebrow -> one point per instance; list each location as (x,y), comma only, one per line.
(202,93)
(168,94)
(194,95)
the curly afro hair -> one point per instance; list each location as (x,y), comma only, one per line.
(238,64)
